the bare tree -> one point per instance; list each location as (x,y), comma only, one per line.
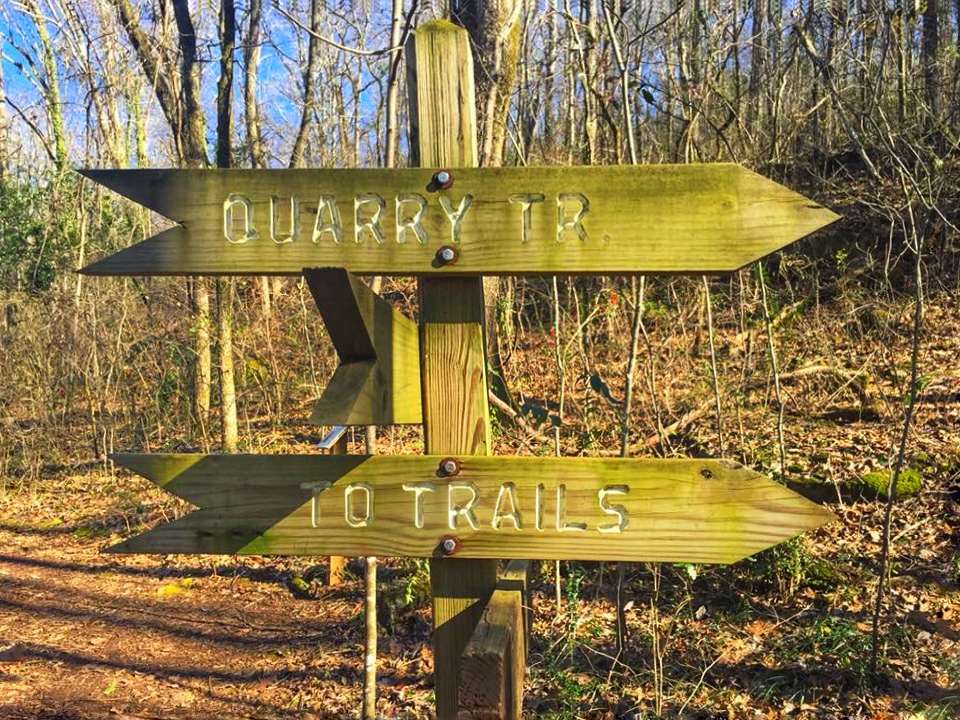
(930,51)
(256,148)
(311,76)
(46,74)
(4,131)
(177,88)
(225,286)
(494,29)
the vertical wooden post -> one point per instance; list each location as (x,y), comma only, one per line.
(453,366)
(338,563)
(495,660)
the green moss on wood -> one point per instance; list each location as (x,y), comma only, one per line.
(438,25)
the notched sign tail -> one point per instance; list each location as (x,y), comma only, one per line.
(239,498)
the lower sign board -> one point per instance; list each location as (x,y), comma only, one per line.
(677,510)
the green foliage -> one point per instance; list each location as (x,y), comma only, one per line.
(416,589)
(840,641)
(835,640)
(40,229)
(34,243)
(783,568)
(569,692)
(169,386)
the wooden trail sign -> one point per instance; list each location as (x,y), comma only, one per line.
(700,511)
(458,506)
(378,380)
(493,221)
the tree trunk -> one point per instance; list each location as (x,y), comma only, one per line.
(494,28)
(589,79)
(930,51)
(194,154)
(310,75)
(228,39)
(194,124)
(393,83)
(199,292)
(758,63)
(256,148)
(225,286)
(51,87)
(255,145)
(228,395)
(4,146)
(137,120)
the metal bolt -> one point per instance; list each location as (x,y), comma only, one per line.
(443,179)
(447,255)
(449,545)
(449,467)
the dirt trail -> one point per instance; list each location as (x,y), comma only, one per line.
(86,635)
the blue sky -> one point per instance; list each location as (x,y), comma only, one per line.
(280,82)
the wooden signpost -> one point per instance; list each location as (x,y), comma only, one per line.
(454,505)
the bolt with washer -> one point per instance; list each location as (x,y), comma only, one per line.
(449,545)
(443,179)
(447,255)
(449,467)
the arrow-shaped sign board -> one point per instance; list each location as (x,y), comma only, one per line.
(702,511)
(378,380)
(490,221)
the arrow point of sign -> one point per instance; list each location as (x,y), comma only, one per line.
(378,380)
(776,215)
(774,512)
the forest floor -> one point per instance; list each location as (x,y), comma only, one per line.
(786,634)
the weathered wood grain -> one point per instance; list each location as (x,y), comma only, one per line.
(676,510)
(378,379)
(493,665)
(642,219)
(338,563)
(443,132)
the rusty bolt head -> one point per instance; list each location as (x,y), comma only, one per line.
(447,255)
(449,467)
(443,179)
(449,545)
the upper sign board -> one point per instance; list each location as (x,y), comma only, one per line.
(709,511)
(490,221)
